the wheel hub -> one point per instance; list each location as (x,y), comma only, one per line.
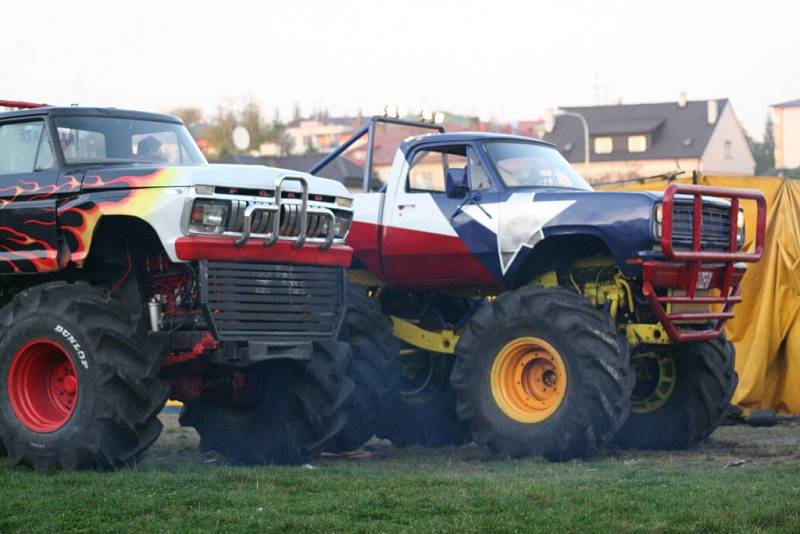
(529,379)
(655,380)
(42,385)
(549,378)
(425,375)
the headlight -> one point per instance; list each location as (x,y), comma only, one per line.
(740,227)
(658,217)
(341,227)
(209,216)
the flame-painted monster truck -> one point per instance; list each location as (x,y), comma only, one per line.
(536,315)
(133,271)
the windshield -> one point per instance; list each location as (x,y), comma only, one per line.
(522,164)
(115,140)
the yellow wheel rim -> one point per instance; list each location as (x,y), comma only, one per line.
(529,379)
(655,380)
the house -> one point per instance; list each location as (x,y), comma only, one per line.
(531,128)
(321,135)
(385,145)
(787,134)
(640,140)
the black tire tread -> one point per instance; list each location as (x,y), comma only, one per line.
(600,355)
(374,369)
(707,379)
(304,408)
(129,392)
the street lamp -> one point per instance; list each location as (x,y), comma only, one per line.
(550,121)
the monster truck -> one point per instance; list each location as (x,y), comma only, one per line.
(536,315)
(132,271)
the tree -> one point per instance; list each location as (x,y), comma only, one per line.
(297,115)
(764,152)
(188,115)
(276,120)
(769,142)
(219,133)
(278,135)
(252,119)
(311,150)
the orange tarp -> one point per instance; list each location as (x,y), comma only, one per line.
(766,328)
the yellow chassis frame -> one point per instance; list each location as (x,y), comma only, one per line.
(442,341)
(620,291)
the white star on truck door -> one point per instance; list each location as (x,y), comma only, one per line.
(521,225)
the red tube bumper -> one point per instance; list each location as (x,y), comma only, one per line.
(689,270)
(223,248)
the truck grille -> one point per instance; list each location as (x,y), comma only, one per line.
(715,231)
(290,220)
(272,302)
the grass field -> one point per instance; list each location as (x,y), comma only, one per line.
(743,479)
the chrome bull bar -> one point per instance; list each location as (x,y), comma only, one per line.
(275,212)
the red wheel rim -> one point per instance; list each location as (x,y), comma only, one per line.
(42,385)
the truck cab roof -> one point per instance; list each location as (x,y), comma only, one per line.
(73,111)
(468,137)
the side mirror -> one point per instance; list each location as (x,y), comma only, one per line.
(456,183)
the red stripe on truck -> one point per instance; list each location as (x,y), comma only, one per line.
(223,248)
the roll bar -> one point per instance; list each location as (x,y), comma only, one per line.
(369,129)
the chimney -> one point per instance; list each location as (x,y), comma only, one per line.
(712,111)
(682,99)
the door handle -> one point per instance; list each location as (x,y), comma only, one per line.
(401,206)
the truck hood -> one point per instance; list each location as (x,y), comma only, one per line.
(623,221)
(240,176)
(658,196)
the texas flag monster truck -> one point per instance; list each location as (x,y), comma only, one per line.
(536,315)
(131,270)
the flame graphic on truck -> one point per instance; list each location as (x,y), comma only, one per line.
(61,231)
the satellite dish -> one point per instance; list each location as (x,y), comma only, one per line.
(241,138)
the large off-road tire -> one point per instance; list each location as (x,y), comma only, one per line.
(374,369)
(541,372)
(424,408)
(682,394)
(79,386)
(288,410)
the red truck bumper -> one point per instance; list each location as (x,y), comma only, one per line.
(687,271)
(223,248)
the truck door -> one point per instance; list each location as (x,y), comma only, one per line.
(28,186)
(429,239)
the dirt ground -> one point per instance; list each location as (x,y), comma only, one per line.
(729,446)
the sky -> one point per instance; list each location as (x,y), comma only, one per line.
(504,60)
